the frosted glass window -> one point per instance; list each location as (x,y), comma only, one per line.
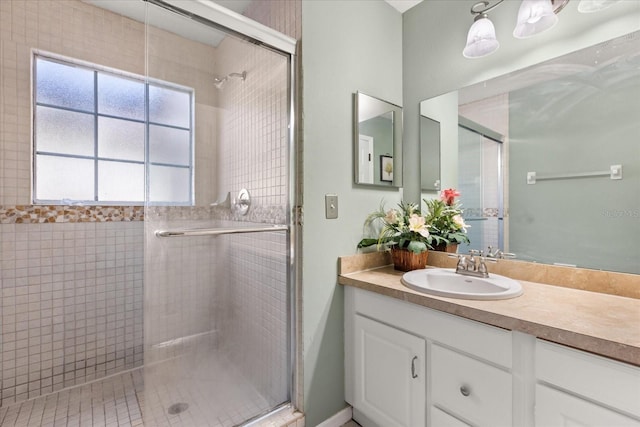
(120,181)
(169,107)
(120,139)
(64,85)
(168,184)
(64,179)
(63,131)
(98,136)
(122,97)
(169,145)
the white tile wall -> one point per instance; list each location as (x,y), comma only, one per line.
(72,293)
(71,304)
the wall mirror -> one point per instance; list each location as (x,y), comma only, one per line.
(429,154)
(548,158)
(377,142)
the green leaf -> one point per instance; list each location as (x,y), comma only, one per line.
(417,247)
(367,242)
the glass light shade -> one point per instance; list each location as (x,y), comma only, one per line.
(534,17)
(481,40)
(589,6)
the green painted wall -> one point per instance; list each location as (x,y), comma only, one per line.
(347,46)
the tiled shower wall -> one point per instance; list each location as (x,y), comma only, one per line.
(71,304)
(71,277)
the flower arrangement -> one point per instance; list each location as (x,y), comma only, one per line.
(444,216)
(407,228)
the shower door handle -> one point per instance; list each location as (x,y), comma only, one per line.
(218,231)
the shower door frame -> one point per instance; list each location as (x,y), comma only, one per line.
(237,25)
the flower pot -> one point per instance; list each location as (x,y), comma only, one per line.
(405,260)
(444,247)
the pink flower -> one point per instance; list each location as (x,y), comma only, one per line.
(448,196)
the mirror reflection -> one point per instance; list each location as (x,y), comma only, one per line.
(429,153)
(547,158)
(377,142)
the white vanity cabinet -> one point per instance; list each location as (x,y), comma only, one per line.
(389,374)
(408,365)
(582,389)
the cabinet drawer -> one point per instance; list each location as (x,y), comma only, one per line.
(475,391)
(439,418)
(607,381)
(556,408)
(484,341)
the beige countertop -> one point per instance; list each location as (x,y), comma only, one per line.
(600,323)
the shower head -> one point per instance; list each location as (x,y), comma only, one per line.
(219,82)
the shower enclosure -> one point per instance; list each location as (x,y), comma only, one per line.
(480,180)
(218,237)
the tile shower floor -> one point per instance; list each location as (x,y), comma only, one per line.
(215,396)
(112,401)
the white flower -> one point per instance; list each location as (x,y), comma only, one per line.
(460,222)
(392,216)
(417,224)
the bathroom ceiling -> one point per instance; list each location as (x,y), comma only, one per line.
(403,5)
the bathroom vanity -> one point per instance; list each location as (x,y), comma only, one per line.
(417,360)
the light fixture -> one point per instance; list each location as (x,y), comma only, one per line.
(481,39)
(534,17)
(589,6)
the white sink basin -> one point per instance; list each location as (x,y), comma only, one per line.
(445,282)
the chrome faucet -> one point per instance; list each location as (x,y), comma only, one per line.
(473,264)
(499,254)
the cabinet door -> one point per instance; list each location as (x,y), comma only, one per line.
(556,408)
(389,374)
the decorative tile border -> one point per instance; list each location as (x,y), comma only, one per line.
(177,213)
(272,214)
(482,213)
(38,214)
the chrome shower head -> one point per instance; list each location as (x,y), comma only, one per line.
(219,82)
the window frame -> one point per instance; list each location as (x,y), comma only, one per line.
(96,115)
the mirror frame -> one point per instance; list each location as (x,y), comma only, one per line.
(396,111)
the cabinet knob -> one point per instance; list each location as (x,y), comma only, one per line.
(465,391)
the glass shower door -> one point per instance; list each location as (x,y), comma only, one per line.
(217,305)
(480,185)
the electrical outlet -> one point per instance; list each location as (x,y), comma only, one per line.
(331,206)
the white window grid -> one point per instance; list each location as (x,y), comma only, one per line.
(95,157)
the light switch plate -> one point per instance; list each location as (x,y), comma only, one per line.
(331,206)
